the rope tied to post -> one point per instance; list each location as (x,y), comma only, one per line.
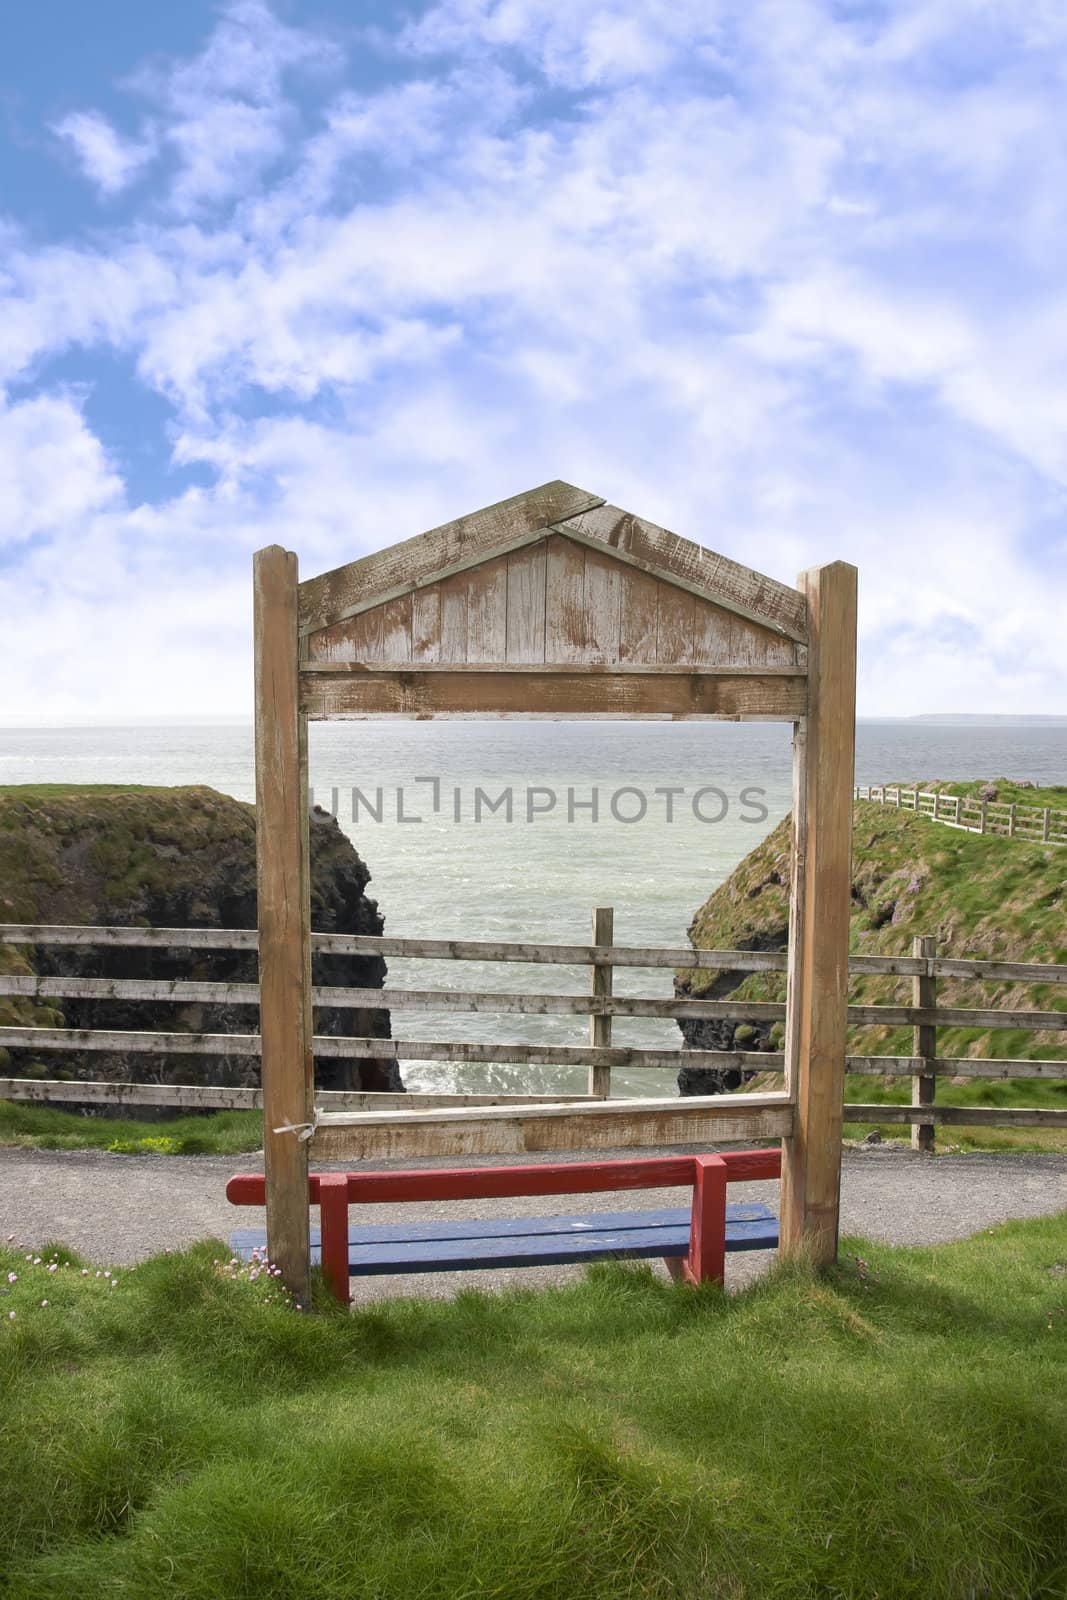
(303,1130)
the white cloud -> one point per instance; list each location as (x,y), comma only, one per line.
(53,470)
(108,160)
(762,273)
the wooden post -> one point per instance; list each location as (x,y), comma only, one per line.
(602,984)
(985,809)
(1045,824)
(924,1084)
(706,1260)
(284,913)
(1011,821)
(820,898)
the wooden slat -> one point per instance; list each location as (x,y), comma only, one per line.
(714,577)
(961,1116)
(284,911)
(602,605)
(454,619)
(494,950)
(426,625)
(817,979)
(350,1047)
(526,605)
(220,1097)
(953,1017)
(956,1067)
(388,573)
(675,624)
(686,694)
(487,611)
(182,991)
(638,616)
(602,1125)
(564,602)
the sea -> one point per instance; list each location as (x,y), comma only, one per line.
(517,830)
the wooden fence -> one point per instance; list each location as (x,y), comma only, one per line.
(924,1066)
(1039,824)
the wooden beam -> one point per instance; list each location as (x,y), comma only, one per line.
(533,693)
(819,918)
(387,574)
(284,913)
(601,1125)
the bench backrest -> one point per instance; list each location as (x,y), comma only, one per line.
(493,1183)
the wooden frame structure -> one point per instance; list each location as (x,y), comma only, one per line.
(555,604)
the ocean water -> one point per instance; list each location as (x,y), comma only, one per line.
(677,805)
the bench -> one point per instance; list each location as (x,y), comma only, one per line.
(693,1240)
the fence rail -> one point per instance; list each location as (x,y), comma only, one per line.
(1038,824)
(924,1066)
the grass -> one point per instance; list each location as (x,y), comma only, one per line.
(897,1429)
(221,1133)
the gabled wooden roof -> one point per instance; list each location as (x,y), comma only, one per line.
(552,513)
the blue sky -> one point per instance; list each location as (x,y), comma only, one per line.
(783,275)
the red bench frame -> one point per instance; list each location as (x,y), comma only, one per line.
(707,1175)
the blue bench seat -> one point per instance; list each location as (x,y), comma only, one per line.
(483,1243)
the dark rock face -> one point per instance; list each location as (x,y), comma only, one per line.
(172,858)
(701,1033)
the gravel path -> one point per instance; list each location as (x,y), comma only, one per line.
(117,1209)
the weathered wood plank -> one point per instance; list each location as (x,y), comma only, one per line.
(819,918)
(487,611)
(387,573)
(564,601)
(601,1125)
(676,621)
(714,577)
(349,1047)
(961,1116)
(218,1097)
(956,1067)
(526,605)
(602,605)
(638,617)
(396,629)
(426,625)
(284,911)
(454,619)
(687,694)
(954,1017)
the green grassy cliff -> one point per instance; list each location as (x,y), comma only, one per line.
(166,857)
(983,897)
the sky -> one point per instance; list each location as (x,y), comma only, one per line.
(785,276)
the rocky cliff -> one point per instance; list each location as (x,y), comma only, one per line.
(981,896)
(169,858)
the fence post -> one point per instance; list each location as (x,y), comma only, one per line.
(283,912)
(600,1027)
(985,808)
(957,816)
(924,1084)
(1045,825)
(1011,821)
